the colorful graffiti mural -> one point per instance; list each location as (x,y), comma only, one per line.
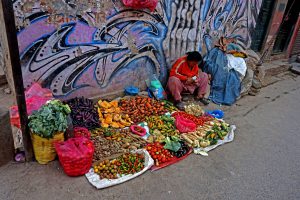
(76,59)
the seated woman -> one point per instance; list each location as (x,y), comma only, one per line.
(186,76)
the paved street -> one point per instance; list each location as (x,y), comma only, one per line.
(262,162)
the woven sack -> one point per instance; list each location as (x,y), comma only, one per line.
(43,148)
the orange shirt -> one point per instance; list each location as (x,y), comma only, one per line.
(182,71)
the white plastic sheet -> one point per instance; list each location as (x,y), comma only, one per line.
(237,63)
(95,180)
(229,138)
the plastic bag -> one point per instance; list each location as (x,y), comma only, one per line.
(156,88)
(36,96)
(184,125)
(75,155)
(37,91)
(141,4)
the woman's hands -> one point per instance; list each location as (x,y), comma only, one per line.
(190,81)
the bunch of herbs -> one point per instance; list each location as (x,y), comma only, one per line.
(50,119)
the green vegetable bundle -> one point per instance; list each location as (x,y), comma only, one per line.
(50,119)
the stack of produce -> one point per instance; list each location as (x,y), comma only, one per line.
(82,132)
(194,109)
(110,115)
(161,127)
(177,147)
(169,106)
(109,142)
(159,153)
(138,108)
(208,134)
(83,113)
(129,163)
(197,120)
(47,125)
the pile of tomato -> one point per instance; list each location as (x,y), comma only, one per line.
(158,153)
(197,120)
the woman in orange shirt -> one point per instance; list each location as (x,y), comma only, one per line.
(186,76)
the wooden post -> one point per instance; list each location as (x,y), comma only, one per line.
(13,48)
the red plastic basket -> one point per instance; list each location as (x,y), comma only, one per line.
(75,155)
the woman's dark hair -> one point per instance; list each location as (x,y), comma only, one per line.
(194,56)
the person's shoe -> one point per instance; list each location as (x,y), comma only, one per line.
(180,105)
(204,101)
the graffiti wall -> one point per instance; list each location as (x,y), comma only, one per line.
(82,58)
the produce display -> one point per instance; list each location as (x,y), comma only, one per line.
(197,120)
(50,119)
(47,126)
(83,113)
(128,163)
(194,109)
(181,149)
(159,153)
(81,131)
(207,135)
(109,142)
(110,115)
(138,130)
(161,127)
(169,106)
(176,146)
(184,125)
(123,137)
(138,108)
(164,124)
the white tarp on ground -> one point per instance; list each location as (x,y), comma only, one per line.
(95,180)
(229,138)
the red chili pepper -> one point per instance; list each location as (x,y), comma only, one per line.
(198,120)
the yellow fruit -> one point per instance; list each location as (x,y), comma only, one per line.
(110,110)
(117,117)
(104,125)
(114,103)
(118,110)
(108,119)
(121,125)
(125,123)
(115,125)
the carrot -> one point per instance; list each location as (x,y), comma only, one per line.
(143,101)
(148,105)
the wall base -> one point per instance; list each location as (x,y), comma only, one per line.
(6,139)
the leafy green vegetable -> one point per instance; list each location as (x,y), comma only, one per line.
(173,145)
(50,119)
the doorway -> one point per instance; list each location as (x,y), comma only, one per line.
(287,27)
(263,20)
